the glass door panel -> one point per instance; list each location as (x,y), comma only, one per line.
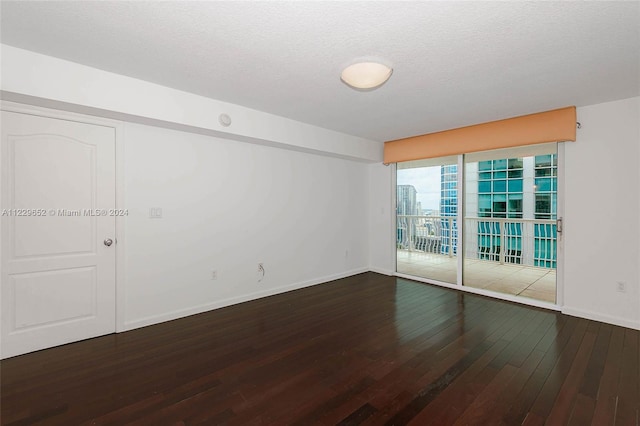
(510,212)
(426,215)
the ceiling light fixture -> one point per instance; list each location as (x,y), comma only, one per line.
(366,75)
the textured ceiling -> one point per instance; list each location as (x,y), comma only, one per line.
(455,63)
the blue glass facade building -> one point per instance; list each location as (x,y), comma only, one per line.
(449,208)
(501,194)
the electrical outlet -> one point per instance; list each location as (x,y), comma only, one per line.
(155,213)
(214,274)
(621,286)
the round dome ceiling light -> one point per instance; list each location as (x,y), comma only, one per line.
(366,75)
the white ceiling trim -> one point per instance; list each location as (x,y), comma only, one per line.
(29,74)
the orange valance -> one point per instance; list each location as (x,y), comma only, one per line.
(558,125)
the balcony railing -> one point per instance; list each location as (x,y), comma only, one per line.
(530,242)
(430,234)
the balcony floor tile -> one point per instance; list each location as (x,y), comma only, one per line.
(526,281)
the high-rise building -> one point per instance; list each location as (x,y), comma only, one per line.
(449,190)
(406,200)
(449,208)
(546,187)
(503,194)
(514,188)
(406,205)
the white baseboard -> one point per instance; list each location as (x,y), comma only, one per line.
(580,313)
(596,316)
(388,272)
(181,313)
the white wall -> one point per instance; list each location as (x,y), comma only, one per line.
(381,223)
(602,215)
(265,189)
(37,79)
(290,197)
(227,206)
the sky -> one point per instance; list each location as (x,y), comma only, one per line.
(426,180)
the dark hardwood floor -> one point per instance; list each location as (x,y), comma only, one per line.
(368,349)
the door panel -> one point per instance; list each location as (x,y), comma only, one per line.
(510,221)
(58,278)
(33,185)
(50,297)
(426,217)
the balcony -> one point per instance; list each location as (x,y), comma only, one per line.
(427,247)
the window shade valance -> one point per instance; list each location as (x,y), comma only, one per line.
(551,126)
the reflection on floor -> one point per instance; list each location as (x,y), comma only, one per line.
(526,281)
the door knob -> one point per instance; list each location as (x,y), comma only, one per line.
(108,242)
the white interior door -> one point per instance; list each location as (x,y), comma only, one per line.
(58,197)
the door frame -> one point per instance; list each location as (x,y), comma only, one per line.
(118,126)
(560,191)
(558,306)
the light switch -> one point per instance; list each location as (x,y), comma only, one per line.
(155,213)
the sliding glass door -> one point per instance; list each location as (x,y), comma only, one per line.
(510,213)
(509,237)
(427,223)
